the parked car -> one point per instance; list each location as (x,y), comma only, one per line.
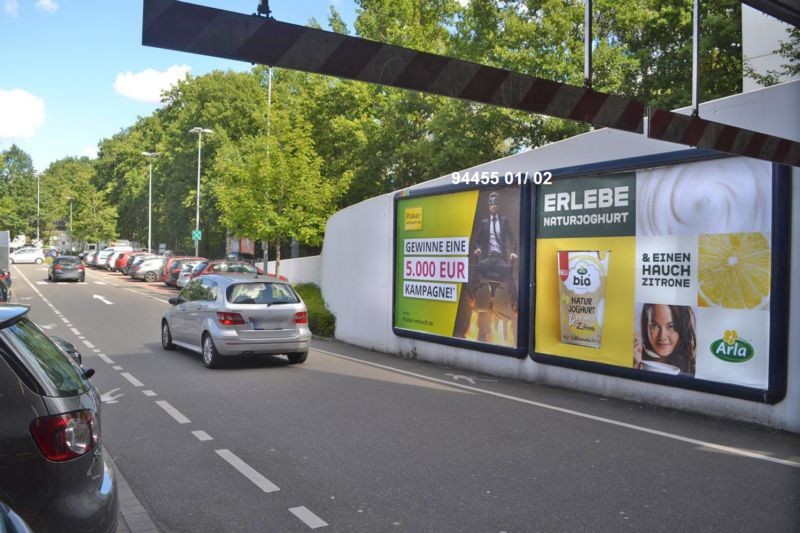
(225,266)
(148,270)
(185,276)
(89,257)
(135,259)
(66,267)
(56,474)
(237,315)
(175,267)
(168,264)
(240,256)
(27,254)
(122,260)
(102,256)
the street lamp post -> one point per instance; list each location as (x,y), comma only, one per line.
(150,156)
(199,131)
(37,208)
(69,199)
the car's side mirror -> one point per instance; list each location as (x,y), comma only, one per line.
(175,300)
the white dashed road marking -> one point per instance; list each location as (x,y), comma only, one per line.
(247,471)
(308,518)
(149,393)
(174,413)
(135,382)
(202,435)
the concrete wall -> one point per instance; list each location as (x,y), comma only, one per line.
(761,36)
(357,267)
(298,270)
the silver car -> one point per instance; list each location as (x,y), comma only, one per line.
(237,314)
(148,270)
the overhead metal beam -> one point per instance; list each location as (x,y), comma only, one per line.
(209,31)
(786,10)
(695,131)
(215,32)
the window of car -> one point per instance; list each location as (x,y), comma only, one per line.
(52,369)
(66,261)
(261,293)
(209,289)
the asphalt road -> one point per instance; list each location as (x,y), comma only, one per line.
(358,441)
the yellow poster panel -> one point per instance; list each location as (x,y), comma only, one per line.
(616,344)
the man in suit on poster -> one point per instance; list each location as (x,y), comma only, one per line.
(496,248)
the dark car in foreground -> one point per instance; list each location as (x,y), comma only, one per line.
(237,315)
(66,267)
(54,470)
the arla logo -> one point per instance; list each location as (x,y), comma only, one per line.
(732,349)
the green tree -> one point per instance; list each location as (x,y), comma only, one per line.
(66,178)
(17,192)
(95,219)
(271,189)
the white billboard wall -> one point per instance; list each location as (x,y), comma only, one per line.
(357,274)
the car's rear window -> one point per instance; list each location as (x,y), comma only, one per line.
(67,261)
(55,372)
(261,293)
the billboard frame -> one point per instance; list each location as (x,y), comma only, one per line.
(524,285)
(780,245)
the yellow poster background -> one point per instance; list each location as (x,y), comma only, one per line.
(616,345)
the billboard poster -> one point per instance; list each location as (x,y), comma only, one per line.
(664,270)
(457,265)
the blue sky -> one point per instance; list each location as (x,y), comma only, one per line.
(74,72)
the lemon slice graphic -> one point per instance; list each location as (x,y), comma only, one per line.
(734,270)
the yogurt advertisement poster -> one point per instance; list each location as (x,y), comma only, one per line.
(457,267)
(682,264)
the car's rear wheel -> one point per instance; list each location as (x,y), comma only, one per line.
(166,336)
(150,277)
(297,357)
(211,358)
(38,261)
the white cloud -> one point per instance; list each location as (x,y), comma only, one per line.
(147,85)
(11,7)
(22,112)
(48,6)
(90,150)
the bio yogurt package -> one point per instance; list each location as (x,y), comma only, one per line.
(582,291)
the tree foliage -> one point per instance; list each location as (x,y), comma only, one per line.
(333,142)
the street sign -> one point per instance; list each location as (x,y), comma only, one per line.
(197,234)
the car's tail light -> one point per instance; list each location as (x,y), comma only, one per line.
(80,267)
(67,436)
(229,319)
(57,267)
(301,317)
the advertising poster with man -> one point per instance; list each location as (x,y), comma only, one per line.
(682,270)
(457,265)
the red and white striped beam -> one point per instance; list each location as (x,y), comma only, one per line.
(695,131)
(215,32)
